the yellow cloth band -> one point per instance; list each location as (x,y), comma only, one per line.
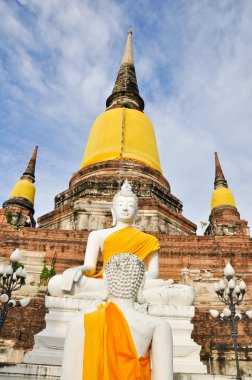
(128,240)
(109,350)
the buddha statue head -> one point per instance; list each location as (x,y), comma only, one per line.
(124,206)
(124,275)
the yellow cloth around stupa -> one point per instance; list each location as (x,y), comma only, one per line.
(122,133)
(222,196)
(24,189)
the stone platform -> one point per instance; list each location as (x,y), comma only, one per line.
(196,376)
(44,372)
(49,343)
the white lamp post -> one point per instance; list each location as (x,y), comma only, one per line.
(12,277)
(231,295)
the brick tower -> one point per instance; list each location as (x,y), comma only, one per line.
(122,144)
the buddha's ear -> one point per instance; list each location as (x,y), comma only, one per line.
(113,217)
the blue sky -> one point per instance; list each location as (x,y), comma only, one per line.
(59,60)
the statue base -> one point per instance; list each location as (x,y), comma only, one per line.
(49,343)
(45,372)
(186,353)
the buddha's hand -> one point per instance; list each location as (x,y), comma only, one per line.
(69,277)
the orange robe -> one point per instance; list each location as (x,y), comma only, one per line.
(109,350)
(128,240)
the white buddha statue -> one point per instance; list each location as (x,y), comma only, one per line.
(115,341)
(82,282)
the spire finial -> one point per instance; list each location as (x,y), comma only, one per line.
(220,180)
(29,173)
(125,92)
(125,191)
(128,52)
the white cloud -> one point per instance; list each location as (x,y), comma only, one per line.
(208,109)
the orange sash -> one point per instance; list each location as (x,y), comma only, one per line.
(128,240)
(109,350)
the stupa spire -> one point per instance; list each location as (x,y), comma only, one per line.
(224,218)
(220,180)
(125,92)
(20,205)
(29,173)
(222,195)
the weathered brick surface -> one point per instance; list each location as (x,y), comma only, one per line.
(69,246)
(100,181)
(214,336)
(23,323)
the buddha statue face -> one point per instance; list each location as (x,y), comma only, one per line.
(125,203)
(124,209)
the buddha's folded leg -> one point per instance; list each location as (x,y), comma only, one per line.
(171,295)
(156,283)
(91,288)
(86,287)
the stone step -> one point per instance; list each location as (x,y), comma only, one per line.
(197,376)
(45,372)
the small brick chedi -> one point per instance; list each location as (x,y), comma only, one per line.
(122,145)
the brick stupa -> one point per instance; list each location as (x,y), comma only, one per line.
(122,144)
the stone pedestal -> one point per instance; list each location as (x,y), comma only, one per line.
(44,372)
(186,352)
(29,372)
(49,343)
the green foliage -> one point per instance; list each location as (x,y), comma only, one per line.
(206,355)
(17,265)
(8,216)
(47,273)
(52,272)
(44,276)
(126,105)
(75,214)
